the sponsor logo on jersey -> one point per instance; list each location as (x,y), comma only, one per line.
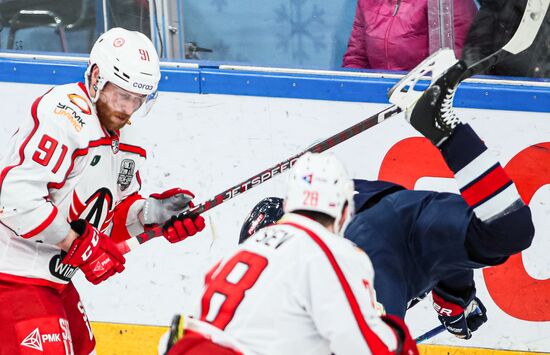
(81,103)
(58,269)
(69,113)
(126,173)
(100,265)
(95,160)
(35,340)
(143,86)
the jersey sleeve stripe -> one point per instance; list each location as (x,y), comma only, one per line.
(42,226)
(132,149)
(25,142)
(373,341)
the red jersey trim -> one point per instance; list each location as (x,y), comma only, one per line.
(120,231)
(42,225)
(31,281)
(24,144)
(50,218)
(373,341)
(83,88)
(132,149)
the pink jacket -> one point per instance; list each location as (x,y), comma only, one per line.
(393,34)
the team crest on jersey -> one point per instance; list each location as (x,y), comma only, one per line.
(114,145)
(126,173)
(97,209)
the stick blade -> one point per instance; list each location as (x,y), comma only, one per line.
(531,21)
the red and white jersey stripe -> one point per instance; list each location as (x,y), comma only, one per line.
(296,288)
(61,165)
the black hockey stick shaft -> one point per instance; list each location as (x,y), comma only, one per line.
(265,175)
(430,334)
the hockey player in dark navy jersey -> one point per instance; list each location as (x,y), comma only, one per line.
(422,241)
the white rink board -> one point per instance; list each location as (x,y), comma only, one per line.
(208,143)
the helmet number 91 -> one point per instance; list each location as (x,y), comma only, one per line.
(144,55)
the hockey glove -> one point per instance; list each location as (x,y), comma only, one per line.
(94,253)
(158,208)
(407,345)
(460,317)
(183,226)
(170,205)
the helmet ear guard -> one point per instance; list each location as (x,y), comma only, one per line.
(128,60)
(320,183)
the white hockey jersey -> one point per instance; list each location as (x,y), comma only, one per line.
(61,165)
(296,288)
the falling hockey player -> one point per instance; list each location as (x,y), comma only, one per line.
(422,241)
(72,161)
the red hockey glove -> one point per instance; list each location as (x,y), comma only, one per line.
(159,208)
(94,253)
(170,205)
(183,226)
(460,316)
(407,345)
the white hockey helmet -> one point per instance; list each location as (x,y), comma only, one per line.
(127,59)
(320,182)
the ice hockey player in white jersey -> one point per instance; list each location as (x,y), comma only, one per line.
(69,189)
(298,287)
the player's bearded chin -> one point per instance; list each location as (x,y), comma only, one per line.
(110,119)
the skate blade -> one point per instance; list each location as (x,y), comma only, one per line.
(403,93)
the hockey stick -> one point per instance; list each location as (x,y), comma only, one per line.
(439,62)
(532,18)
(126,246)
(439,329)
(430,334)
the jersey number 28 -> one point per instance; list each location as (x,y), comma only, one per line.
(225,291)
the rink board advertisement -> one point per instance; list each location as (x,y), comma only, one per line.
(208,143)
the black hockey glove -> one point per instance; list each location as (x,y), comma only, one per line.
(460,316)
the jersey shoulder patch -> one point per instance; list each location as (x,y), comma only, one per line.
(68,109)
(70,103)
